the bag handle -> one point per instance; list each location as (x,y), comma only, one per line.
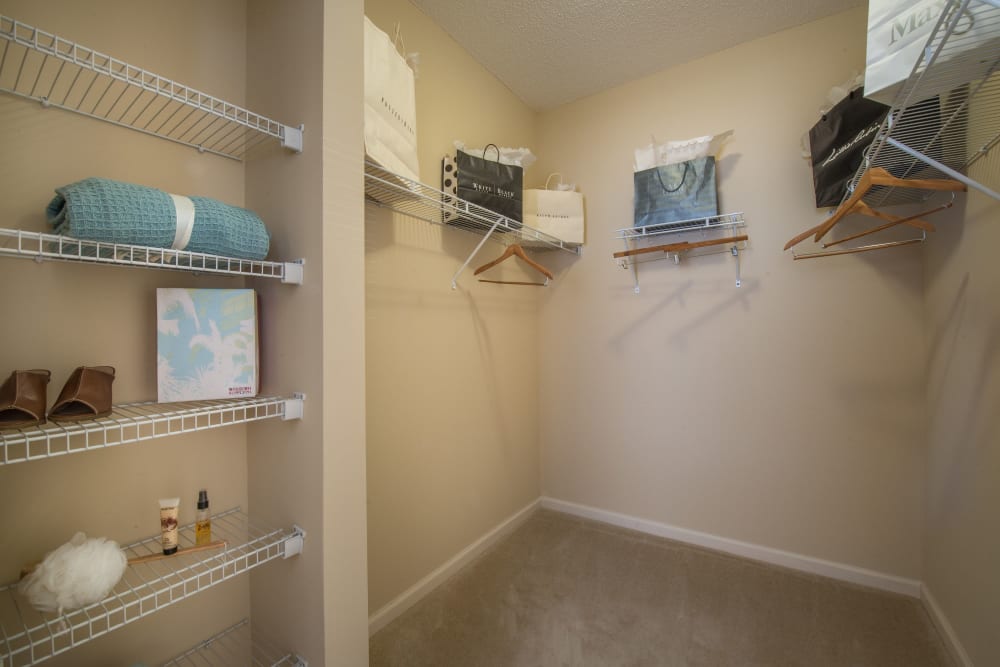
(683,176)
(397,41)
(550,178)
(488,147)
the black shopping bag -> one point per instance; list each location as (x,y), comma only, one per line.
(491,184)
(676,192)
(838,141)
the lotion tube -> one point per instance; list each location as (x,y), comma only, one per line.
(168,524)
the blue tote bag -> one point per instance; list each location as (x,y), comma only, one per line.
(675,192)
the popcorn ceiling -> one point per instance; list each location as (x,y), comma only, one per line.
(550,52)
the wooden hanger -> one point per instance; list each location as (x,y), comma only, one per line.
(681,245)
(861,207)
(893,221)
(511,251)
(864,209)
(878,176)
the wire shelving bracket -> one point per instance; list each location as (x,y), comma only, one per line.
(940,135)
(28,637)
(238,644)
(56,72)
(137,422)
(398,193)
(708,229)
(390,190)
(42,247)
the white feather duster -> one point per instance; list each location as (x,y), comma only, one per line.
(78,573)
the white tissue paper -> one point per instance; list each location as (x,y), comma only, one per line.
(674,152)
(519,157)
(81,572)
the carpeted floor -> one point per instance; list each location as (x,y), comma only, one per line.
(566,591)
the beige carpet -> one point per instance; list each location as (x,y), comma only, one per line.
(566,591)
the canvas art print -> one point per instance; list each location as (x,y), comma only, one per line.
(206,344)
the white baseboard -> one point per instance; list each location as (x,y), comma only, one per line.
(849,573)
(417,591)
(948,634)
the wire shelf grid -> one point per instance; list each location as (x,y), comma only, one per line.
(39,246)
(28,637)
(57,72)
(236,646)
(390,190)
(724,221)
(136,422)
(707,236)
(933,134)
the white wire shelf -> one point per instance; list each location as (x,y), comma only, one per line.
(390,190)
(28,637)
(237,646)
(724,221)
(40,66)
(136,422)
(41,247)
(941,135)
(717,234)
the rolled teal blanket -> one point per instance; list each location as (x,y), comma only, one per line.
(99,209)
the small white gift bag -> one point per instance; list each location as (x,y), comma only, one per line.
(557,212)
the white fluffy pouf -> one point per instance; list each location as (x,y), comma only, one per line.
(78,573)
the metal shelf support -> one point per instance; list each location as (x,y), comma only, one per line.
(482,242)
(294,272)
(943,168)
(294,407)
(714,226)
(398,193)
(294,543)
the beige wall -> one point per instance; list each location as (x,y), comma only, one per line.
(785,413)
(63,315)
(301,57)
(961,543)
(451,375)
(344,477)
(59,315)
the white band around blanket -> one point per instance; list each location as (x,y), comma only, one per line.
(185,221)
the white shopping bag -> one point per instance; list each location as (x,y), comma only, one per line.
(898,31)
(390,106)
(558,212)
